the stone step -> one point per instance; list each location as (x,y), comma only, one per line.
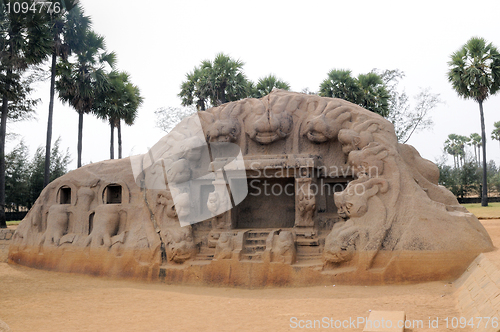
(308,250)
(260,238)
(259,235)
(202,257)
(254,242)
(254,248)
(307,242)
(308,257)
(252,256)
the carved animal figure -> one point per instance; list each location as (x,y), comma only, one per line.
(354,202)
(266,127)
(359,136)
(178,171)
(106,225)
(224,247)
(179,244)
(57,224)
(369,160)
(326,126)
(340,244)
(284,248)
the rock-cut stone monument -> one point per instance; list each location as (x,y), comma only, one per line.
(290,189)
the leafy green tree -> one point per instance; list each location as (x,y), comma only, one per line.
(461,181)
(217,82)
(340,84)
(17,172)
(67,28)
(58,167)
(121,102)
(367,90)
(266,84)
(495,134)
(195,90)
(374,95)
(81,81)
(24,42)
(474,73)
(407,119)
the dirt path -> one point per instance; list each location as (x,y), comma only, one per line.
(34,300)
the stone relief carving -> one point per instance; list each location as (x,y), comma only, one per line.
(306,201)
(57,225)
(284,248)
(179,244)
(224,247)
(106,225)
(391,206)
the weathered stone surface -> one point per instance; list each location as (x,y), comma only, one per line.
(289,189)
(4,327)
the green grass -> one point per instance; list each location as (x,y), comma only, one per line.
(488,212)
(13,222)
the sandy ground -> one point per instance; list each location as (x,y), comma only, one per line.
(34,300)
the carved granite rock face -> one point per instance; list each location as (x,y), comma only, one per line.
(329,196)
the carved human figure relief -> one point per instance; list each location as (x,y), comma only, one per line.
(306,203)
(165,212)
(218,204)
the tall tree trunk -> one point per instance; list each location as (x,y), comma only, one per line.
(112,140)
(46,174)
(119,126)
(3,132)
(80,137)
(484,198)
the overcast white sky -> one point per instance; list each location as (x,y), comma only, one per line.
(158,42)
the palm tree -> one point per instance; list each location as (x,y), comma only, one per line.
(475,141)
(495,134)
(121,102)
(475,74)
(367,90)
(81,81)
(266,84)
(68,30)
(226,79)
(219,81)
(374,95)
(195,90)
(24,42)
(340,84)
(454,145)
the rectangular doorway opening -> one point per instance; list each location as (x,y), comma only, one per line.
(270,203)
